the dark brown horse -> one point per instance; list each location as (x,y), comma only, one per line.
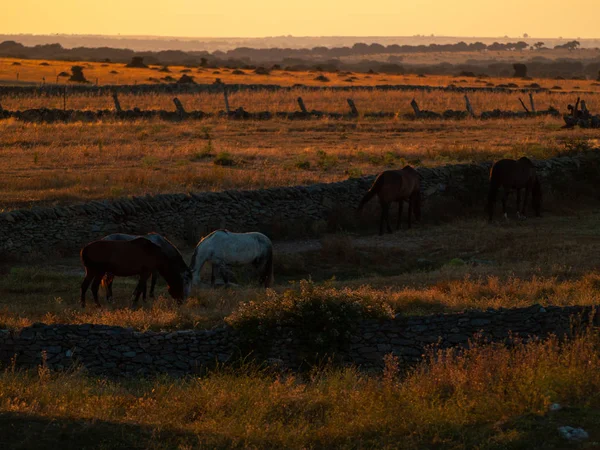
(166,246)
(396,186)
(514,175)
(139,256)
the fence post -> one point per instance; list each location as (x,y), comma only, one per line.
(352,107)
(469,107)
(523,105)
(415,107)
(302,107)
(179,106)
(116,100)
(532,103)
(226,99)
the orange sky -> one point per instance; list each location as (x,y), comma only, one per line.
(210,18)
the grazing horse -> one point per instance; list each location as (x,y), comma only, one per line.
(159,240)
(138,256)
(510,174)
(396,186)
(222,247)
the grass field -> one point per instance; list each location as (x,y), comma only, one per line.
(29,71)
(62,163)
(488,398)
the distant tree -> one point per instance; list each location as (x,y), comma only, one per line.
(77,75)
(521,45)
(520,70)
(539,45)
(525,36)
(137,61)
(203,62)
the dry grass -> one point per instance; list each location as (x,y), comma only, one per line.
(325,100)
(33,72)
(486,398)
(62,163)
(550,261)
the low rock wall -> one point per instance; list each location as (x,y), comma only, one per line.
(115,351)
(278,212)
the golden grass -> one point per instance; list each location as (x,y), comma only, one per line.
(485,397)
(33,72)
(62,163)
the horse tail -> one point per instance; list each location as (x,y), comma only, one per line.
(375,188)
(267,276)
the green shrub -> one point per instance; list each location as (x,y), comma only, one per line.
(320,318)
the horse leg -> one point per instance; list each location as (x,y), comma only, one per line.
(84,286)
(504,200)
(223,270)
(410,210)
(382,218)
(400,206)
(524,208)
(141,288)
(95,287)
(387,218)
(108,282)
(518,203)
(213,271)
(153,283)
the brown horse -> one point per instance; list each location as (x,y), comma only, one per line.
(139,256)
(510,174)
(396,186)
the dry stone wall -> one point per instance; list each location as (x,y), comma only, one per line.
(278,212)
(115,351)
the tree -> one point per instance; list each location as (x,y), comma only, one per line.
(539,45)
(77,75)
(525,36)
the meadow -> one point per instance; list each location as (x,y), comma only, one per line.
(486,397)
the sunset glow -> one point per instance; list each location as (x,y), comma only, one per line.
(542,18)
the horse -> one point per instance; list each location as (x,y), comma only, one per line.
(510,174)
(222,247)
(396,186)
(139,256)
(159,240)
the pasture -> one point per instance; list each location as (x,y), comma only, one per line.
(485,398)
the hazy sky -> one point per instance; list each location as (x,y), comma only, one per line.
(212,18)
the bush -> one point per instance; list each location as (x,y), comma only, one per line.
(77,75)
(320,318)
(322,78)
(520,70)
(224,159)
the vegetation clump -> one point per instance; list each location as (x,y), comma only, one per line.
(77,75)
(320,317)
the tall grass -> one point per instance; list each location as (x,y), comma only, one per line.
(486,397)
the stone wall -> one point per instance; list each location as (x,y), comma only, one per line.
(279,212)
(119,351)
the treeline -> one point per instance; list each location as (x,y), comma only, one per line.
(320,59)
(56,51)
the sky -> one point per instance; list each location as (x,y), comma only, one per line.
(246,18)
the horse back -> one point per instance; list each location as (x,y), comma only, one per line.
(512,174)
(122,258)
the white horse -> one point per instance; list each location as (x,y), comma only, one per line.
(166,246)
(222,248)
